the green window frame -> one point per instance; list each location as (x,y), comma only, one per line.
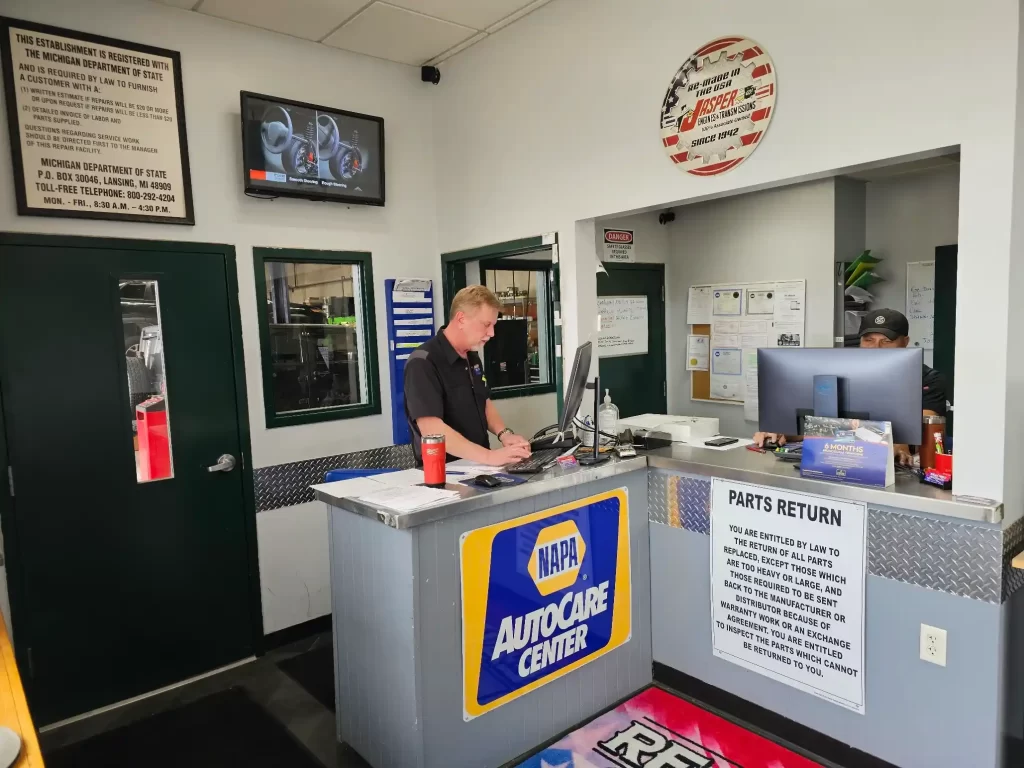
(368,334)
(453,274)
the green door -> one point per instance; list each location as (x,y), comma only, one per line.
(129,567)
(943,356)
(637,381)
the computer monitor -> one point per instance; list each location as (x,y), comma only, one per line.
(874,384)
(577,386)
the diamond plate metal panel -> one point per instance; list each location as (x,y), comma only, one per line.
(657,496)
(1013,543)
(286,485)
(952,557)
(681,501)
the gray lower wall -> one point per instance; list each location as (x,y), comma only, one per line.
(372,569)
(917,714)
(523,724)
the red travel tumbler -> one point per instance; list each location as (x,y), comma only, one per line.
(432,447)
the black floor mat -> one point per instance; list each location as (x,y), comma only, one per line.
(223,730)
(314,671)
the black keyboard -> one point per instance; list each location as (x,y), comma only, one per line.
(535,463)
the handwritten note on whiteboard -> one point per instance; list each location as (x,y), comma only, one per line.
(623,325)
(921,303)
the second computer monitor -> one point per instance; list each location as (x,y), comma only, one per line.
(577,385)
(874,384)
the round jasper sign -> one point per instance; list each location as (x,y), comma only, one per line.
(718,106)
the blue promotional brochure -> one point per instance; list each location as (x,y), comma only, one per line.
(848,451)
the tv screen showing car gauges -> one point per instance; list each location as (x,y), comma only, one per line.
(301,150)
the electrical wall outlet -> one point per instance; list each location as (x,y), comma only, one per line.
(933,645)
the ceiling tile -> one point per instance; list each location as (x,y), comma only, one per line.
(445,55)
(188,5)
(389,32)
(308,19)
(528,8)
(478,14)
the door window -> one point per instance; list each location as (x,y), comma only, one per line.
(147,379)
(319,345)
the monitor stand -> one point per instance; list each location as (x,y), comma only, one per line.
(556,441)
(596,458)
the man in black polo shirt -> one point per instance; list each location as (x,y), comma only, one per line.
(889,329)
(446,391)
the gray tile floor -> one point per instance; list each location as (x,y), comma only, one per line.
(288,702)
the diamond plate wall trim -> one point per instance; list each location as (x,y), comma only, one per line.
(1013,543)
(286,485)
(963,559)
(681,501)
(958,558)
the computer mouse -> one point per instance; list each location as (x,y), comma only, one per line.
(487,481)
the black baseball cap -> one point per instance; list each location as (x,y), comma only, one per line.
(888,322)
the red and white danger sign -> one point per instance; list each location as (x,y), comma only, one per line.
(718,106)
(618,245)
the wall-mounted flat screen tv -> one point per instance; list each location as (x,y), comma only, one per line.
(294,149)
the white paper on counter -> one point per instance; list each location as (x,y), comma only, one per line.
(698,306)
(352,488)
(409,498)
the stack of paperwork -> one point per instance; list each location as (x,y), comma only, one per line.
(406,499)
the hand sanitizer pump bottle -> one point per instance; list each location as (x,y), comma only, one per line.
(609,417)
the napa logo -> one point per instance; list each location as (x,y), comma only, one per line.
(557,557)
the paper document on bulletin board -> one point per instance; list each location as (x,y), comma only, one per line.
(624,323)
(921,303)
(771,314)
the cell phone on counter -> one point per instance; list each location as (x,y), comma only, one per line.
(719,442)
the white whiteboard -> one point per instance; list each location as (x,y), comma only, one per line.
(921,303)
(624,321)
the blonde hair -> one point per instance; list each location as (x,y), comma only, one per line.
(473,297)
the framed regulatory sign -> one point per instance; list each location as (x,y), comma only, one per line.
(97,126)
(718,106)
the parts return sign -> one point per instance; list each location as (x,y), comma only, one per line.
(787,588)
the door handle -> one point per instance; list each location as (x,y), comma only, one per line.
(224,464)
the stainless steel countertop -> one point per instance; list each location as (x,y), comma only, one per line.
(763,469)
(472,499)
(737,464)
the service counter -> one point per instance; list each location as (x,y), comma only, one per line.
(396,587)
(926,558)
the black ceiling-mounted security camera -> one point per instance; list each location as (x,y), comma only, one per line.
(430,75)
(666,217)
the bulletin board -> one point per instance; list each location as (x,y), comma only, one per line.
(740,318)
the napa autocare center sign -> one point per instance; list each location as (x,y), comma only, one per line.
(787,588)
(97,126)
(543,595)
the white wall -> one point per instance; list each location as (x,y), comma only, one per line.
(219,59)
(554,122)
(781,234)
(907,217)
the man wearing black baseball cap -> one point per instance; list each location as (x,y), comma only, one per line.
(883,329)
